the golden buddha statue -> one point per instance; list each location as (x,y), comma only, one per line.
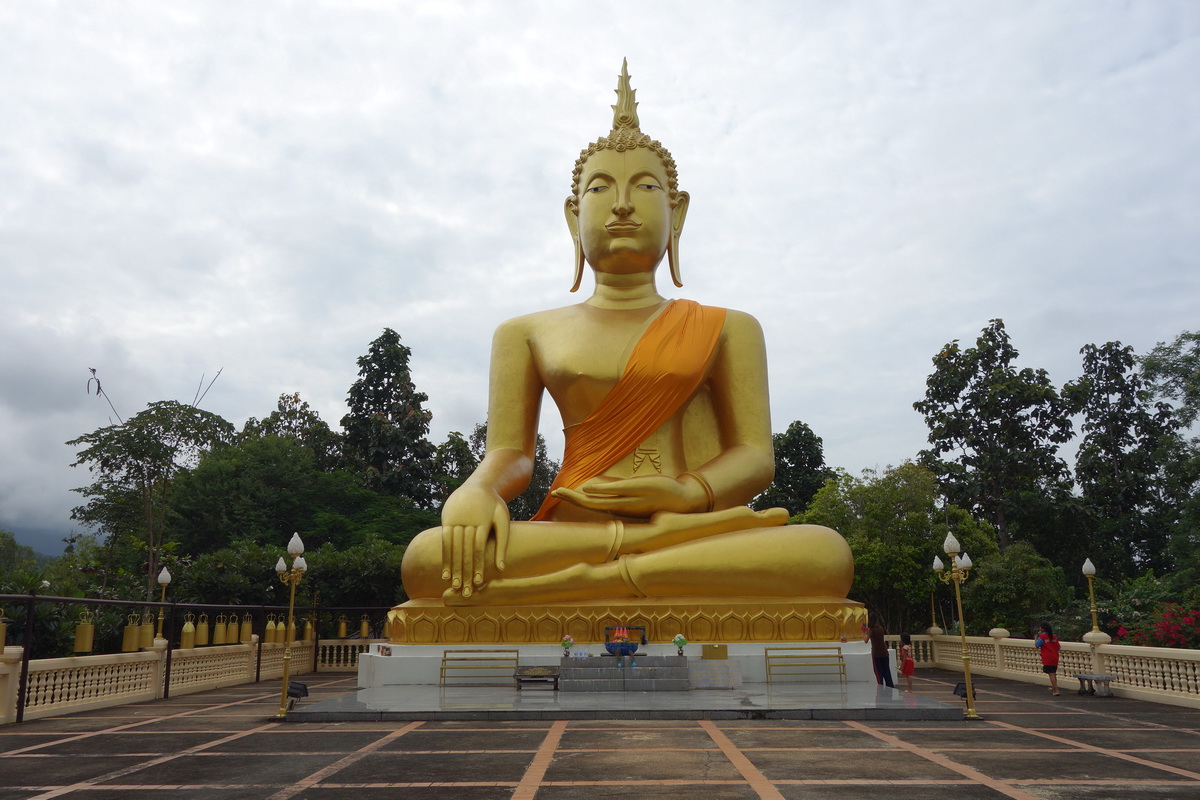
(665,411)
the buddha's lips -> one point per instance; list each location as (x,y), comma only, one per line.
(623,226)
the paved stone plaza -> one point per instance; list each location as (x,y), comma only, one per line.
(222,744)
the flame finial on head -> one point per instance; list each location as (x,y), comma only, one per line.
(625,111)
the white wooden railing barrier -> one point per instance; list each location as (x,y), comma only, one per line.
(1158,674)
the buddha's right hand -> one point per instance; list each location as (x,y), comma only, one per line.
(468,518)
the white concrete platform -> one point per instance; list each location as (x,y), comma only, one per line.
(750,701)
(416,665)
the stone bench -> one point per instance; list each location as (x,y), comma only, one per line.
(1097,685)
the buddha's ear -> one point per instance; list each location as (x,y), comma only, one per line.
(571,210)
(678,215)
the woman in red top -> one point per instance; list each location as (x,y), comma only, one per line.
(1047,643)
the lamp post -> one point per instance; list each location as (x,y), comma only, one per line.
(164,580)
(290,577)
(1095,635)
(960,569)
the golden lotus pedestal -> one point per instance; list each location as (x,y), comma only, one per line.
(699,619)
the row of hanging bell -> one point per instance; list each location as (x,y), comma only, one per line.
(139,631)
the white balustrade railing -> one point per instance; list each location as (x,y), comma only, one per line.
(79,683)
(1159,674)
(341,655)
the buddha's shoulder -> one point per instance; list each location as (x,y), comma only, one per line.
(528,324)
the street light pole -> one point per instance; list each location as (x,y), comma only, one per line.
(960,569)
(164,580)
(1095,635)
(291,578)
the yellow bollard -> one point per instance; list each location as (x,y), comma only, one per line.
(364,628)
(146,639)
(85,633)
(308,630)
(218,636)
(272,628)
(247,628)
(202,631)
(343,624)
(132,633)
(187,637)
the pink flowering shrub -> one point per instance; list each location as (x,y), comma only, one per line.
(1169,625)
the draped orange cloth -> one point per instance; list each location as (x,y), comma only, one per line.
(664,371)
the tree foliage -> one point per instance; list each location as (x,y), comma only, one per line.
(800,470)
(1126,493)
(386,426)
(1013,589)
(294,418)
(1000,427)
(136,464)
(1173,371)
(894,526)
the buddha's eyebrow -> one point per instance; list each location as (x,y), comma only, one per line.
(598,173)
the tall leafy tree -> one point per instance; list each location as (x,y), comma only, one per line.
(1173,371)
(294,418)
(453,463)
(386,426)
(136,464)
(994,432)
(894,525)
(800,470)
(1117,466)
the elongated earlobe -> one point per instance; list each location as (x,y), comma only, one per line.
(572,213)
(678,215)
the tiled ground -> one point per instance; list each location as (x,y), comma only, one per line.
(223,744)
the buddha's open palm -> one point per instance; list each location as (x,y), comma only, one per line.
(636,497)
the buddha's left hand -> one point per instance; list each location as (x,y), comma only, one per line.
(636,497)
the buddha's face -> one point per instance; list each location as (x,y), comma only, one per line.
(625,216)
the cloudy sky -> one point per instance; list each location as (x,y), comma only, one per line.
(263,187)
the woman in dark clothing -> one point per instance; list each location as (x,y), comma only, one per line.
(873,632)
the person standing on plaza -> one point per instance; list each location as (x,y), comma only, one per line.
(1048,645)
(904,656)
(874,633)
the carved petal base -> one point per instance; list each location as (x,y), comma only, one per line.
(700,619)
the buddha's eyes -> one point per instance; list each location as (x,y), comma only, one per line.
(650,186)
(595,189)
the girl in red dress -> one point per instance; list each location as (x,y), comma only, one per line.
(908,664)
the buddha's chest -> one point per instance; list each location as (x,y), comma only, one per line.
(584,357)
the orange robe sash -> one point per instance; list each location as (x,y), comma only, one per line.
(665,369)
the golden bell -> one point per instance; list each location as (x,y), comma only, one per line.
(308,630)
(343,624)
(291,632)
(131,634)
(364,628)
(3,630)
(85,633)
(218,634)
(146,639)
(247,628)
(187,637)
(202,631)
(269,635)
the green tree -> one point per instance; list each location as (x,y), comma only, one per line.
(1117,466)
(894,526)
(800,470)
(1173,371)
(1001,428)
(527,503)
(15,557)
(453,463)
(1013,589)
(294,418)
(386,426)
(136,464)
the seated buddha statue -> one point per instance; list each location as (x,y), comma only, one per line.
(667,427)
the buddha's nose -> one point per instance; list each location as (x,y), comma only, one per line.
(623,206)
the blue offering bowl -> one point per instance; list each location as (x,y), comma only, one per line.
(620,649)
